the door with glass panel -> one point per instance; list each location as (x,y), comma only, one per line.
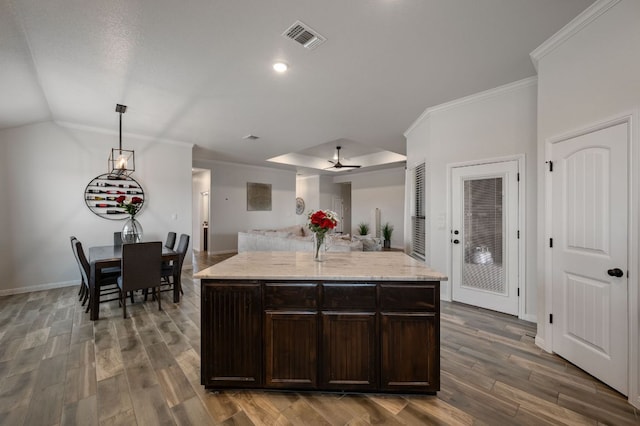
(484,236)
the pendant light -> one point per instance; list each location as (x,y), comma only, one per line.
(121,161)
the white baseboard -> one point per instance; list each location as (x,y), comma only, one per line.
(40,287)
(530,318)
(541,344)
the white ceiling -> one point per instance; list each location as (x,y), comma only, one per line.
(200,71)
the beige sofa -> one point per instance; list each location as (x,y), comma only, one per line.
(292,238)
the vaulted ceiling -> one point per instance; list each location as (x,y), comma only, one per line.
(201,71)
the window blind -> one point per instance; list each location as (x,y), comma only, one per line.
(418,219)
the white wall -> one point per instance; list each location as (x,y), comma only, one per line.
(383,189)
(588,75)
(493,124)
(308,188)
(43,202)
(228,199)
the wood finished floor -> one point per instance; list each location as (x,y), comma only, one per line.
(59,368)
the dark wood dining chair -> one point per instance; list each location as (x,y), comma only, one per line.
(171,240)
(107,283)
(84,287)
(176,266)
(141,270)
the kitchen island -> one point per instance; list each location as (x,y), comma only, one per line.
(359,322)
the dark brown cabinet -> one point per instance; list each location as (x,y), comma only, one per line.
(339,336)
(410,333)
(232,339)
(291,347)
(349,336)
(349,360)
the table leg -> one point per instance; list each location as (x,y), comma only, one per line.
(176,285)
(94,300)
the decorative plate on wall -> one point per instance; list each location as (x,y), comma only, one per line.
(101,193)
(299,205)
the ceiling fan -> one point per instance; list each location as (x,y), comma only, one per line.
(338,165)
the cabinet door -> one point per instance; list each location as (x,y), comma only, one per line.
(291,343)
(410,354)
(349,343)
(231,335)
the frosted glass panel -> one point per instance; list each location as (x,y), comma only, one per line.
(482,235)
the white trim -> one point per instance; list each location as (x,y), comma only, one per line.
(476,97)
(634,261)
(522,226)
(541,344)
(39,287)
(589,15)
(633,246)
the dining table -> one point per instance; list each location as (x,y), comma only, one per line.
(101,257)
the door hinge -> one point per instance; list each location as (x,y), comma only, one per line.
(518,177)
(550,318)
(550,242)
(518,234)
(550,165)
(518,291)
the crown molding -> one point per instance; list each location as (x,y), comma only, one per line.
(476,97)
(589,15)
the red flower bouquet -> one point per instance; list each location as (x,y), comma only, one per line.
(131,207)
(321,222)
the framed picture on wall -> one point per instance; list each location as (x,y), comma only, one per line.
(258,196)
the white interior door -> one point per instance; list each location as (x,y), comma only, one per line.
(589,261)
(484,236)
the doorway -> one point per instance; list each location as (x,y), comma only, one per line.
(484,235)
(589,243)
(201,220)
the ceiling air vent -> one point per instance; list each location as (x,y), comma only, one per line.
(303,34)
(251,137)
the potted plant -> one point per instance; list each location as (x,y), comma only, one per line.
(387,230)
(363,228)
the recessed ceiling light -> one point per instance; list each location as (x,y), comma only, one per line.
(280,66)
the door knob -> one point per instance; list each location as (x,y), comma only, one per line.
(616,272)
(456,241)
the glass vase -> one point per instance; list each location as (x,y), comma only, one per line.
(319,246)
(131,231)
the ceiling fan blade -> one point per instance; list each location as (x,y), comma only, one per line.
(332,162)
(351,166)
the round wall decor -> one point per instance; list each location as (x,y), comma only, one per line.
(299,205)
(102,191)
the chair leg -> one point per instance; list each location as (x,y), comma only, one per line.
(157,290)
(123,296)
(131,293)
(88,304)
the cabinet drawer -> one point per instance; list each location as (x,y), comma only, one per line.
(294,295)
(422,297)
(348,296)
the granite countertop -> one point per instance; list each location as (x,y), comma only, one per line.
(357,266)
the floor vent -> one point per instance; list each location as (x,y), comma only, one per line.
(303,34)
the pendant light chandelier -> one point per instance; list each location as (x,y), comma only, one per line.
(121,161)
